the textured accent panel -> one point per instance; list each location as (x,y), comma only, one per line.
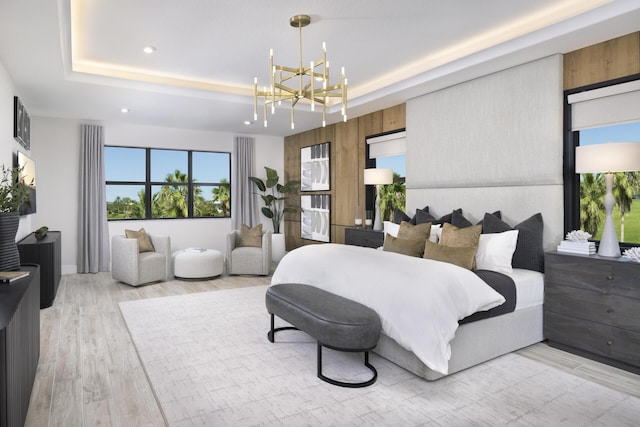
(516,203)
(500,129)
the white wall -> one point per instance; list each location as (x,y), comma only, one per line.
(8,145)
(56,150)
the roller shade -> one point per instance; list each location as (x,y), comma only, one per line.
(390,144)
(607,106)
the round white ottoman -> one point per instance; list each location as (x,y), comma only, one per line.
(197,263)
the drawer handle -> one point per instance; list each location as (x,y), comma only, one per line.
(609,277)
(609,342)
(609,310)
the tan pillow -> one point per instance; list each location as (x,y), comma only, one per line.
(144,243)
(411,247)
(410,231)
(461,237)
(454,236)
(250,236)
(461,256)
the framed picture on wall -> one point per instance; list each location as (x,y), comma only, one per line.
(316,217)
(315,173)
(21,123)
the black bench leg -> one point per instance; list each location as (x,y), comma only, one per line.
(345,384)
(271,335)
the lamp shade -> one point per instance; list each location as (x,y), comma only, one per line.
(609,157)
(378,176)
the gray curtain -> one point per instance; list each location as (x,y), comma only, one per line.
(93,245)
(243,210)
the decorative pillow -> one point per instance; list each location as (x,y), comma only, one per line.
(250,236)
(529,253)
(391,228)
(454,236)
(461,237)
(417,232)
(399,215)
(411,247)
(459,220)
(144,243)
(460,256)
(495,251)
(497,214)
(436,230)
(423,217)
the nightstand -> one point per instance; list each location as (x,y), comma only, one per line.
(592,308)
(359,236)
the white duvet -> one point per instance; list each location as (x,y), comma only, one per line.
(419,301)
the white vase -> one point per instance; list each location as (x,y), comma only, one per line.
(278,248)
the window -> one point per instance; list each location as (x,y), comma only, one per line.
(146,183)
(607,112)
(626,188)
(388,151)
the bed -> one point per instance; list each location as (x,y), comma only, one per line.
(432,344)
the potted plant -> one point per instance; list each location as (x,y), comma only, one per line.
(274,195)
(13,194)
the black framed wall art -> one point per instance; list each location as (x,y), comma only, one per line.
(315,168)
(21,124)
(316,217)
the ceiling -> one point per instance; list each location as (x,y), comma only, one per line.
(83,59)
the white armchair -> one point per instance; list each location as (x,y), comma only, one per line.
(130,266)
(248,259)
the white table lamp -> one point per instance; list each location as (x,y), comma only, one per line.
(377,177)
(608,158)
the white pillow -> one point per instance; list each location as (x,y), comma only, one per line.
(391,228)
(436,231)
(495,251)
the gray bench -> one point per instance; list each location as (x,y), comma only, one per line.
(333,321)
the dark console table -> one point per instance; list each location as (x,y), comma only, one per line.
(45,252)
(359,236)
(19,345)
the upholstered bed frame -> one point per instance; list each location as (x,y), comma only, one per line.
(486,339)
(474,342)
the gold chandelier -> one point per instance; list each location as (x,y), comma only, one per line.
(294,84)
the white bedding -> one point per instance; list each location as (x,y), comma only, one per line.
(529,287)
(419,301)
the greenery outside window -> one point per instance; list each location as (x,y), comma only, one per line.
(148,183)
(393,195)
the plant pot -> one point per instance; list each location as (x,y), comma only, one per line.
(278,248)
(9,255)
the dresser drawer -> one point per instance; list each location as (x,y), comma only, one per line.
(592,273)
(608,341)
(614,310)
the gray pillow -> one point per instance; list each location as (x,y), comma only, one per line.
(399,215)
(529,253)
(459,220)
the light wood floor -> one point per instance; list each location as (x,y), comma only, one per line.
(89,373)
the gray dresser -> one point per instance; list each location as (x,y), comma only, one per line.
(592,308)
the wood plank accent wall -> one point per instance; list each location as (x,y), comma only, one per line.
(603,61)
(347,165)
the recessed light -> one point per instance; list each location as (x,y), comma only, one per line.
(247,122)
(149,49)
(124,110)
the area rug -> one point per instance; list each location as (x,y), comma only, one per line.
(209,362)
